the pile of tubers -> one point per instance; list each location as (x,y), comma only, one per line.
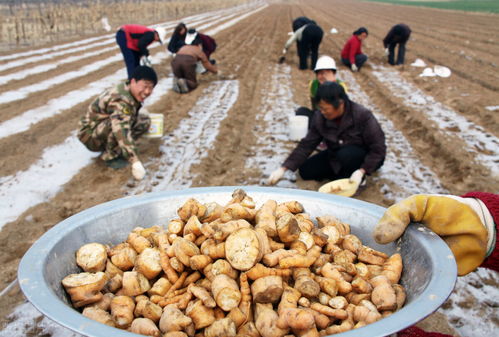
(236,270)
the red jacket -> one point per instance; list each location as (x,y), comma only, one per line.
(138,37)
(352,48)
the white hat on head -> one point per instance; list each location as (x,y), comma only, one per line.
(325,62)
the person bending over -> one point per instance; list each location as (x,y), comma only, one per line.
(308,36)
(355,141)
(133,41)
(112,122)
(184,66)
(398,34)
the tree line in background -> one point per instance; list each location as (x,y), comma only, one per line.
(35,22)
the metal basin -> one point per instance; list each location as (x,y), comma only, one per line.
(429,266)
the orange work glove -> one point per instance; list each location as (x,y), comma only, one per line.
(452,218)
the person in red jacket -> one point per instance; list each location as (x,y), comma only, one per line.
(468,224)
(352,55)
(133,41)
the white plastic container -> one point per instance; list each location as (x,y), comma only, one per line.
(298,127)
(156,128)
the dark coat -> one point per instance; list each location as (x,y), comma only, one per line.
(358,126)
(398,34)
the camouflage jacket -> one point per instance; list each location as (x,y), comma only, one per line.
(120,109)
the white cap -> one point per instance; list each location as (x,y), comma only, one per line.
(325,62)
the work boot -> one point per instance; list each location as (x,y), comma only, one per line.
(182,84)
(116,163)
(175,86)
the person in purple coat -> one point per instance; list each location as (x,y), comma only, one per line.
(355,141)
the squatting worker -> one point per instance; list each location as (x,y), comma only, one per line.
(113,123)
(308,37)
(468,224)
(325,70)
(184,66)
(355,141)
(134,40)
(398,34)
(351,54)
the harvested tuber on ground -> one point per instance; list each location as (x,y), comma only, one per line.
(237,269)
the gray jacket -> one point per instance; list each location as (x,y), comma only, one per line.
(358,126)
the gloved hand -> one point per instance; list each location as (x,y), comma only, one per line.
(146,61)
(357,176)
(354,67)
(387,52)
(276,175)
(452,218)
(138,170)
(284,51)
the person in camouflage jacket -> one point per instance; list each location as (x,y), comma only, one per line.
(113,123)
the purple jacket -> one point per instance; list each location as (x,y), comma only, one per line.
(357,127)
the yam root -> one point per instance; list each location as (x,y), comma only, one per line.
(225,292)
(287,228)
(259,270)
(201,315)
(190,208)
(301,261)
(84,288)
(148,309)
(265,218)
(173,319)
(134,283)
(144,326)
(392,268)
(138,242)
(123,256)
(148,263)
(92,257)
(122,308)
(266,319)
(242,249)
(267,289)
(295,318)
(99,315)
(221,328)
(383,294)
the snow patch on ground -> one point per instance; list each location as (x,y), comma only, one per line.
(192,140)
(402,173)
(477,140)
(274,146)
(42,181)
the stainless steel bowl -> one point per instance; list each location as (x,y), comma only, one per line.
(429,266)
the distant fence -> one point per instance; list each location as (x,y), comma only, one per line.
(28,22)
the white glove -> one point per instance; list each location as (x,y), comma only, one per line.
(387,52)
(138,170)
(354,67)
(276,176)
(357,176)
(146,61)
(284,51)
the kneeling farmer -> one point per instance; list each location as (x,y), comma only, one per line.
(113,123)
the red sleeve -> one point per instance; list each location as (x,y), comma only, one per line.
(354,49)
(414,331)
(491,201)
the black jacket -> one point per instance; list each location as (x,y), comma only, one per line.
(358,126)
(398,34)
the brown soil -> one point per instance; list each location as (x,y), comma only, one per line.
(464,42)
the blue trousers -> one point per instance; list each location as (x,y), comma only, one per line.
(132,57)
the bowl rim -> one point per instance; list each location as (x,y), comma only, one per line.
(34,285)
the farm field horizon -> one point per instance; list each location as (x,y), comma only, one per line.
(442,133)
